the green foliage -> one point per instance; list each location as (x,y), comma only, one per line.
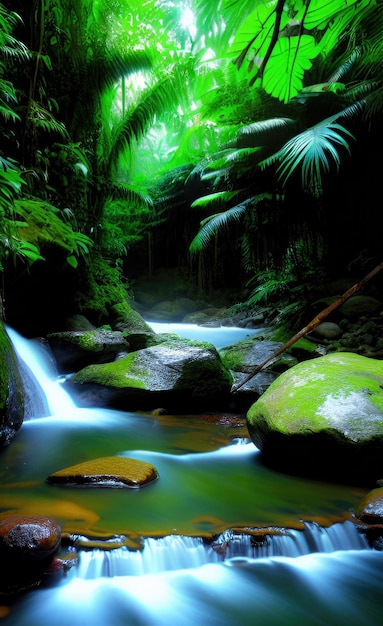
(101,290)
(315,152)
(125,120)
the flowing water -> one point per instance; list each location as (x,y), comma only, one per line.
(303,562)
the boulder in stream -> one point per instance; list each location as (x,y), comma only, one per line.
(324,419)
(113,472)
(181,375)
(28,544)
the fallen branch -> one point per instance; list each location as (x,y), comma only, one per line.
(313,324)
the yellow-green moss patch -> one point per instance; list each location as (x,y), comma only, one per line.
(113,471)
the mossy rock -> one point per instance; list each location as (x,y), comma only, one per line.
(75,349)
(11,391)
(113,472)
(182,364)
(245,355)
(176,372)
(323,418)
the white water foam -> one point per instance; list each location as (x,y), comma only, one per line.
(175,552)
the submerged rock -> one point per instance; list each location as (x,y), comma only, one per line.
(324,419)
(114,471)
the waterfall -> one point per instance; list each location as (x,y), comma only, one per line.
(322,576)
(44,393)
(176,552)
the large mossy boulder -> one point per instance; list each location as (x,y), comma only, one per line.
(179,375)
(324,419)
(11,391)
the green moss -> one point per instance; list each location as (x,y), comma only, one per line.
(333,391)
(101,288)
(123,314)
(4,348)
(211,378)
(233,359)
(88,340)
(113,374)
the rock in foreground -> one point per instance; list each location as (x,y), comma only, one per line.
(324,419)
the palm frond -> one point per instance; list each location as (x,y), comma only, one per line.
(43,119)
(314,151)
(271,132)
(130,194)
(213,224)
(41,225)
(133,126)
(218,199)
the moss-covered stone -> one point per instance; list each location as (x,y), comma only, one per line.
(181,364)
(11,391)
(181,375)
(119,374)
(127,320)
(245,355)
(324,416)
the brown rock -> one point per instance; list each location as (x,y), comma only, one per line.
(113,471)
(32,537)
(370,509)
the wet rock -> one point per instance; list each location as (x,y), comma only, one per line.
(113,472)
(324,419)
(328,330)
(12,397)
(359,305)
(75,349)
(31,537)
(370,513)
(370,509)
(27,548)
(181,374)
(245,355)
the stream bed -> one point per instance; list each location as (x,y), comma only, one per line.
(197,563)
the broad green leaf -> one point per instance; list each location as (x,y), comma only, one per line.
(253,37)
(72,261)
(321,12)
(290,59)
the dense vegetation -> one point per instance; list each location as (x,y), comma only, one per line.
(239,141)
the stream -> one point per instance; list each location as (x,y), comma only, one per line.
(197,563)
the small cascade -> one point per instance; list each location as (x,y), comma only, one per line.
(292,543)
(170,553)
(175,552)
(44,394)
